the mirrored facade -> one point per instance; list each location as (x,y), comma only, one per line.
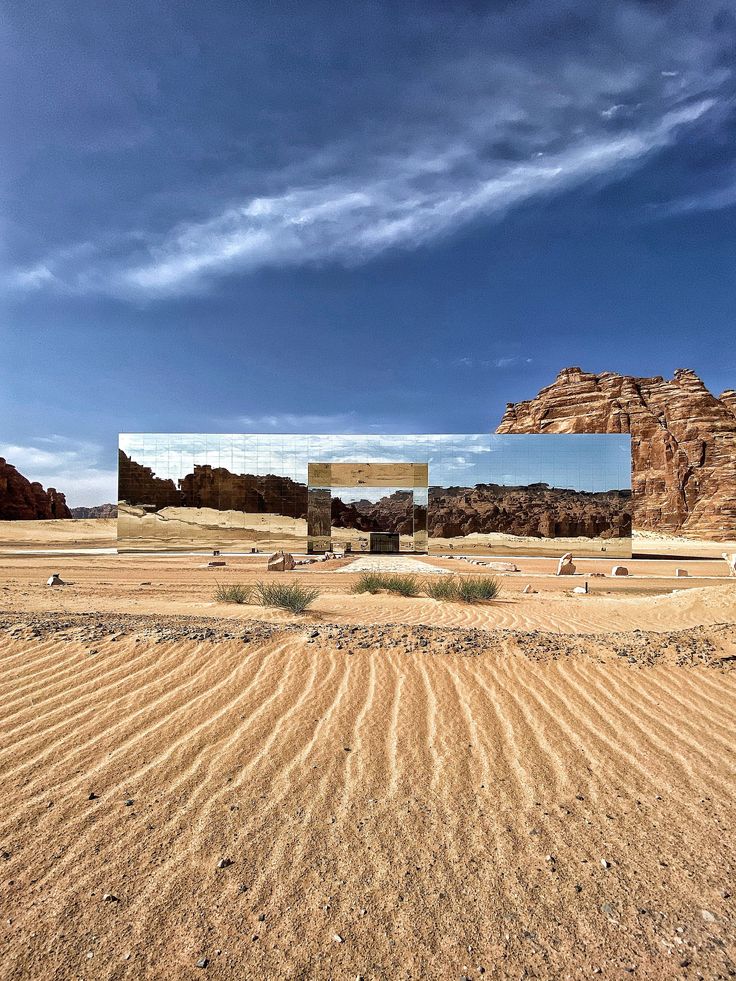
(455,493)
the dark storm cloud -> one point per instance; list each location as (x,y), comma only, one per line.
(153,147)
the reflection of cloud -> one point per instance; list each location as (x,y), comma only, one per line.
(586,462)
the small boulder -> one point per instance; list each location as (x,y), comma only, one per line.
(528,589)
(211,564)
(581,589)
(730,559)
(681,573)
(54,580)
(281,562)
(565,566)
(619,570)
(501,566)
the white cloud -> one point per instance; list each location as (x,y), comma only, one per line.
(401,201)
(71,467)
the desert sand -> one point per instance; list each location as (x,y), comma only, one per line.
(542,786)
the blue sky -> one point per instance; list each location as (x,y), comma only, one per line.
(351,217)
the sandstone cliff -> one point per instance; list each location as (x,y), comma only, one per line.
(25,500)
(97,511)
(683,442)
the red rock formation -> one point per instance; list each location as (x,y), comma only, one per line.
(139,485)
(209,487)
(24,500)
(683,442)
(534,510)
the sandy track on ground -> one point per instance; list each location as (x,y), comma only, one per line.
(404,796)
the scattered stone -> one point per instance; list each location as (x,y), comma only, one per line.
(605,863)
(54,580)
(708,916)
(109,898)
(217,564)
(338,939)
(565,566)
(281,562)
(129,802)
(93,796)
(681,573)
(261,917)
(730,559)
(619,570)
(202,962)
(224,863)
(528,589)
(581,589)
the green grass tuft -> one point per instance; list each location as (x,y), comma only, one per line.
(287,596)
(233,594)
(373,582)
(476,589)
(441,588)
(369,582)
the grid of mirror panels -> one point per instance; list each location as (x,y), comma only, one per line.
(483,493)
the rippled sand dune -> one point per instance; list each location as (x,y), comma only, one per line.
(390,802)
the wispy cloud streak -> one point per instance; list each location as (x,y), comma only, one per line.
(405,204)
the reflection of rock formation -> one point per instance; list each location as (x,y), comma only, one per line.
(139,485)
(390,513)
(218,488)
(24,500)
(98,511)
(536,510)
(212,487)
(683,442)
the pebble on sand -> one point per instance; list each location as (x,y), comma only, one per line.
(224,862)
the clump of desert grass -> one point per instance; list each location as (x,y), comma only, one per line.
(234,593)
(477,589)
(463,589)
(286,596)
(374,582)
(441,588)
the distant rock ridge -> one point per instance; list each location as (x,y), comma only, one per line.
(25,500)
(97,511)
(683,442)
(534,510)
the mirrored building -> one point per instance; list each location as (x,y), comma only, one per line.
(448,493)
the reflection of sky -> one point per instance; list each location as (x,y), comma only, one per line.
(584,462)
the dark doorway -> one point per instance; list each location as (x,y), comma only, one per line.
(384,541)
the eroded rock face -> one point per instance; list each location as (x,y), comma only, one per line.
(683,442)
(25,500)
(97,511)
(534,510)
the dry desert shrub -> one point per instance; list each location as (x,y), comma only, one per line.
(233,594)
(374,582)
(291,596)
(463,589)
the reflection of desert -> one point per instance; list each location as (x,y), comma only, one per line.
(540,786)
(177,528)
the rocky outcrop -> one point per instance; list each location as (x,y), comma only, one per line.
(98,511)
(216,487)
(139,485)
(25,500)
(683,442)
(534,510)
